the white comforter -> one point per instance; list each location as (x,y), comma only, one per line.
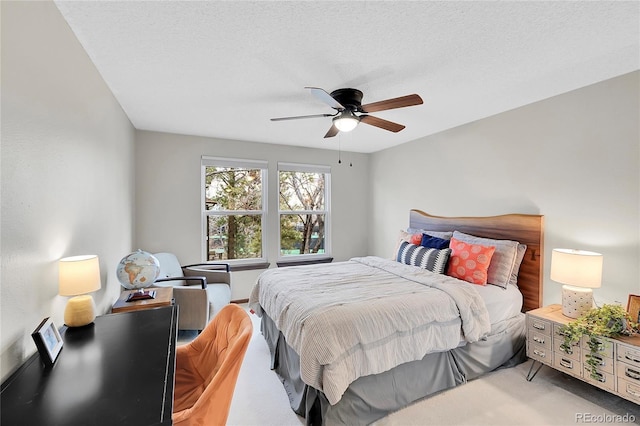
(366,316)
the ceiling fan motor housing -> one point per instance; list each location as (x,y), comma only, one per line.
(349,98)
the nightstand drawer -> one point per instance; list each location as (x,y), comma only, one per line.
(629,373)
(604,364)
(567,365)
(605,346)
(540,353)
(573,353)
(629,390)
(628,355)
(540,339)
(603,379)
(538,325)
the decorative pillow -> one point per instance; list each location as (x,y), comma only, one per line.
(416,239)
(502,262)
(469,262)
(433,242)
(522,248)
(431,259)
(404,236)
(446,235)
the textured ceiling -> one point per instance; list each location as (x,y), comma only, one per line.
(223,69)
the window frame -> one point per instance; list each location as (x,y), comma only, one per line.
(208,161)
(306,168)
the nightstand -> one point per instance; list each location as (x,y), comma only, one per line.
(618,368)
(164,297)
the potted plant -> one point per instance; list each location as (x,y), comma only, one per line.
(605,321)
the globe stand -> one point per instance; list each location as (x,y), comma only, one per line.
(141,294)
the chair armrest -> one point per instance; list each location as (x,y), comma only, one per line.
(203,280)
(210,266)
(195,308)
(213,276)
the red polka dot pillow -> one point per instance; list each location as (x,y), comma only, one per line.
(469,262)
(416,239)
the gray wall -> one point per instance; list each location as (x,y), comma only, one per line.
(573,158)
(67,172)
(168,196)
(67,178)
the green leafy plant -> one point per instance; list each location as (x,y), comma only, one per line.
(605,321)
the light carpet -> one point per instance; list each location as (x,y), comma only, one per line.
(503,397)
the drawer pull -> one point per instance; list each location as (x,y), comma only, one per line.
(539,326)
(538,340)
(541,354)
(632,373)
(633,393)
(566,363)
(601,362)
(567,351)
(598,376)
(632,357)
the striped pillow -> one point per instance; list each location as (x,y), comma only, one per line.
(431,259)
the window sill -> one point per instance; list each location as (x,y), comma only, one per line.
(248,266)
(299,262)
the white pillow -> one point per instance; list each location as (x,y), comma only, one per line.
(503,260)
(522,248)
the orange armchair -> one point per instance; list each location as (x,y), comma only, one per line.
(208,367)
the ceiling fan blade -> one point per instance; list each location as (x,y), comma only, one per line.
(401,102)
(332,131)
(325,97)
(383,124)
(302,116)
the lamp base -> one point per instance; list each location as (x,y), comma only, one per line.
(576,301)
(80,310)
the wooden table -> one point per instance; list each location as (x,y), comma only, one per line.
(164,297)
(118,370)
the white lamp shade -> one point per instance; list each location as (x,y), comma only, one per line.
(578,268)
(78,275)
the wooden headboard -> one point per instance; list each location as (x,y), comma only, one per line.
(524,228)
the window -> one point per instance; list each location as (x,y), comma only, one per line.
(303,208)
(234,209)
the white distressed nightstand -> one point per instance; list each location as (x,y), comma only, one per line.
(619,358)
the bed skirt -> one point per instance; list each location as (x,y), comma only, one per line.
(372,397)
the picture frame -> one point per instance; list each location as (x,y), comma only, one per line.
(633,307)
(48,341)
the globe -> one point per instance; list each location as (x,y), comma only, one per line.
(138,270)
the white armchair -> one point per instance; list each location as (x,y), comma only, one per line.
(199,290)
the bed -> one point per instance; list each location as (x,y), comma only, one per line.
(354,341)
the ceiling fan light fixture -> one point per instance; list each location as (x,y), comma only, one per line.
(346,121)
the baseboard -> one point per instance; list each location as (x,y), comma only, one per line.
(240,301)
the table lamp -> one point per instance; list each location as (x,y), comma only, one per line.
(579,271)
(79,275)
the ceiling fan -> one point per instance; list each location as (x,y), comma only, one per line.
(348,104)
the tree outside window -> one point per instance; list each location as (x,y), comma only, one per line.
(233,209)
(303,209)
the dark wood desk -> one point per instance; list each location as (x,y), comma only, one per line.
(117,371)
